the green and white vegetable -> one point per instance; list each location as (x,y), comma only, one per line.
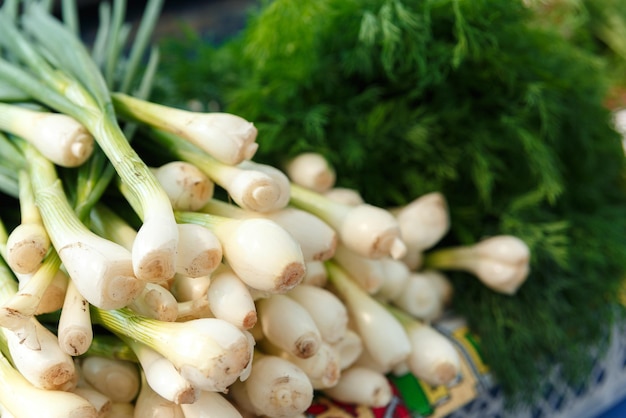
(187,186)
(229,299)
(150,404)
(48,367)
(28,243)
(423,222)
(211,353)
(383,336)
(501,263)
(311,170)
(75,331)
(368,230)
(119,380)
(260,252)
(210,405)
(276,388)
(325,308)
(22,399)
(227,138)
(362,386)
(288,325)
(60,138)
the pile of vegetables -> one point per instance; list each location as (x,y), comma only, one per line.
(498,105)
(151,266)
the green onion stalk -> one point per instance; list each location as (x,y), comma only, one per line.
(101,269)
(23,399)
(255,187)
(261,252)
(20,324)
(211,353)
(27,244)
(68,81)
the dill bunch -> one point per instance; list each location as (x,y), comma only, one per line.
(474,99)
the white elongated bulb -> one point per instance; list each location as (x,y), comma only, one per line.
(188,187)
(288,325)
(230,299)
(210,405)
(199,251)
(119,380)
(48,367)
(362,386)
(262,254)
(278,388)
(311,170)
(420,297)
(325,308)
(433,359)
(383,336)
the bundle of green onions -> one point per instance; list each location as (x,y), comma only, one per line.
(130,288)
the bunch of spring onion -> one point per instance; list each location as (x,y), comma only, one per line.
(160,297)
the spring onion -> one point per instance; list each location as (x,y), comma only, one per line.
(348,348)
(151,404)
(288,325)
(323,368)
(434,359)
(194,309)
(161,375)
(86,98)
(100,402)
(20,324)
(311,170)
(54,295)
(74,329)
(361,386)
(500,262)
(187,186)
(101,269)
(317,239)
(28,243)
(315,274)
(325,308)
(367,230)
(366,272)
(345,195)
(230,299)
(24,400)
(248,185)
(442,284)
(280,180)
(396,273)
(228,138)
(48,367)
(186,288)
(210,405)
(118,380)
(155,302)
(260,252)
(210,353)
(383,336)
(276,388)
(199,250)
(423,222)
(20,306)
(419,297)
(59,137)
